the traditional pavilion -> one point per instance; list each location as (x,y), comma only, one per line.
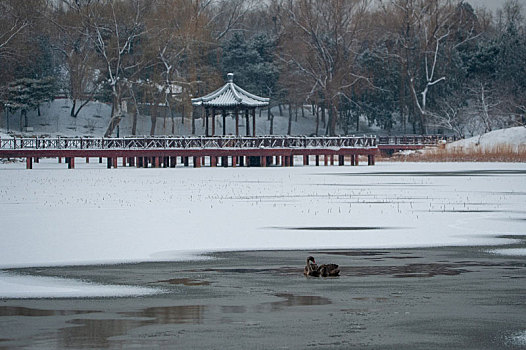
(230,99)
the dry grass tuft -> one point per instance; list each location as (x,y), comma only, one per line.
(500,153)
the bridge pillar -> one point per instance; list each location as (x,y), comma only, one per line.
(234,161)
(370,159)
(263,161)
(341,159)
(100,160)
(29,163)
(138,162)
(115,162)
(173,162)
(291,163)
(317,160)
(108,163)
(357,159)
(59,160)
(197,162)
(331,158)
(305,160)
(87,160)
(37,160)
(213,161)
(224,161)
(242,161)
(71,163)
(124,162)
(185,161)
(326,160)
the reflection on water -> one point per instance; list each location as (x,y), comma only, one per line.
(292,300)
(6,311)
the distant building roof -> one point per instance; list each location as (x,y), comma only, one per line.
(229,96)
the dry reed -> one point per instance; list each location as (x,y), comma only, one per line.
(498,153)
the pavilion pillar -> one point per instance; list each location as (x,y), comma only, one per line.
(223,113)
(29,163)
(247,122)
(213,121)
(237,121)
(206,122)
(254,122)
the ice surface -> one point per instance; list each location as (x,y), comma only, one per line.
(18,286)
(510,251)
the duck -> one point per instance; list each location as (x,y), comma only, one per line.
(325,270)
(329,270)
(311,269)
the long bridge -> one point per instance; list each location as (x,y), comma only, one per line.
(218,150)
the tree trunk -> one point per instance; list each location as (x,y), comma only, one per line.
(317,121)
(116,114)
(72,112)
(271,132)
(289,129)
(134,122)
(153,118)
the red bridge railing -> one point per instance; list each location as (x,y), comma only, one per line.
(220,142)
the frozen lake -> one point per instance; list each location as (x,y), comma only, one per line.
(54,216)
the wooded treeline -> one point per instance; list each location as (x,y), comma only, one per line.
(416,66)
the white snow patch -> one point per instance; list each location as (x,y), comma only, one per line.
(518,338)
(18,286)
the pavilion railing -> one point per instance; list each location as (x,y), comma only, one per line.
(219,142)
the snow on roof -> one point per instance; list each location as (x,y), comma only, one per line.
(230,95)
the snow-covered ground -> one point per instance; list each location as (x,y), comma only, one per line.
(515,138)
(54,216)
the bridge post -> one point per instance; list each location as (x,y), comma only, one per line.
(317,160)
(341,159)
(100,160)
(59,160)
(332,159)
(185,161)
(29,163)
(115,162)
(124,162)
(108,162)
(71,163)
(87,160)
(37,160)
(224,161)
(305,160)
(263,161)
(325,160)
(234,161)
(197,162)
(370,159)
(356,159)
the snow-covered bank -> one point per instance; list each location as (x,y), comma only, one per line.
(514,138)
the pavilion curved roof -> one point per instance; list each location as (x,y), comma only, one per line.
(230,96)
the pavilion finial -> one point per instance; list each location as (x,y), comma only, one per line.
(230,77)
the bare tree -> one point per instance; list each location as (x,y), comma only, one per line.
(320,39)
